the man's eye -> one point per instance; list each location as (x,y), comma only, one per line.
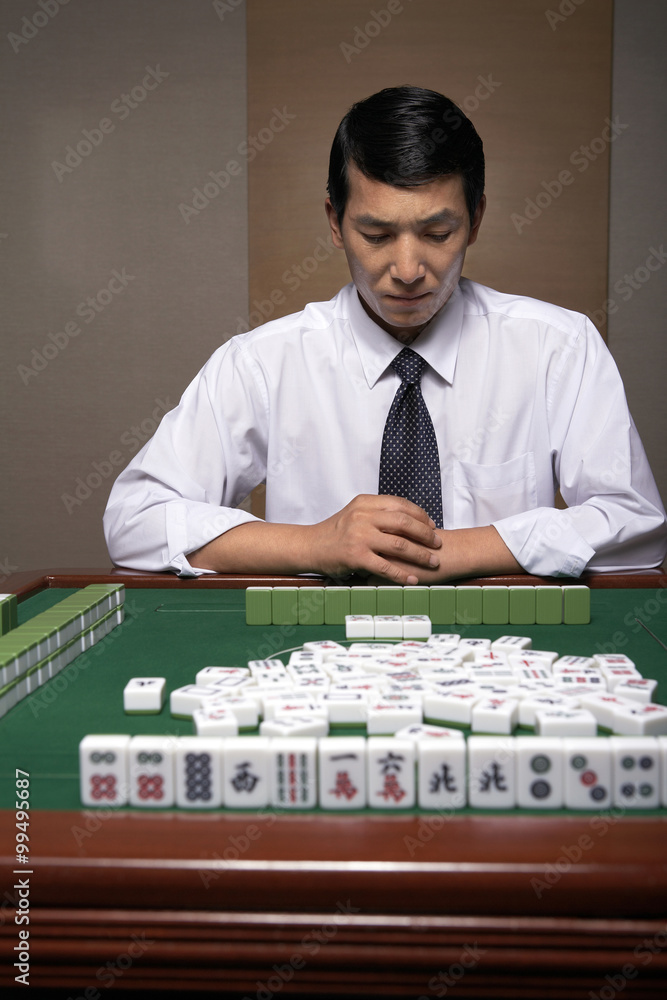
(375,240)
(438,237)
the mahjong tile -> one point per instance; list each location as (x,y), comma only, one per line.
(636,771)
(539,772)
(342,771)
(391,772)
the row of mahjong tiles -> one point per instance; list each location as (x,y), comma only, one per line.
(392,689)
(432,768)
(546,604)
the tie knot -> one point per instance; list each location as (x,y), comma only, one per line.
(408,365)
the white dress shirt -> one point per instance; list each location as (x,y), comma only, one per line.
(524,397)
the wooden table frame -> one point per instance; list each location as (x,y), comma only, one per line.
(491,906)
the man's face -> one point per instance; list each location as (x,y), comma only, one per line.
(405,247)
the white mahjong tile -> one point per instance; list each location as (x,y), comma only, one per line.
(441,782)
(215,720)
(390,712)
(233,683)
(388,664)
(455,706)
(416,689)
(359,627)
(341,670)
(151,771)
(491,772)
(345,707)
(289,706)
(414,646)
(184,700)
(198,772)
(588,775)
(636,771)
(469,648)
(328,649)
(208,674)
(388,626)
(365,649)
(416,626)
(342,772)
(580,663)
(245,707)
(572,722)
(662,749)
(293,700)
(580,683)
(640,720)
(512,643)
(301,657)
(539,773)
(144,694)
(263,667)
(525,689)
(370,683)
(103,768)
(534,673)
(545,655)
(434,661)
(460,683)
(527,662)
(494,689)
(619,675)
(295,726)
(492,675)
(614,660)
(265,684)
(424,732)
(400,676)
(444,639)
(603,705)
(293,772)
(639,689)
(491,658)
(246,772)
(391,779)
(495,715)
(441,673)
(545,700)
(311,684)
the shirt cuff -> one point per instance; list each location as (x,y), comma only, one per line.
(545,542)
(189,526)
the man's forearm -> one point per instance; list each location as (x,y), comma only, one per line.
(468,552)
(261,547)
(257,547)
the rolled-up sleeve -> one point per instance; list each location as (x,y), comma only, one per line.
(614,519)
(181,490)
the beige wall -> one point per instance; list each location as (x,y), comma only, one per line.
(94,396)
(536,90)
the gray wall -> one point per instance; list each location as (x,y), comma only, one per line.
(83,385)
(637,303)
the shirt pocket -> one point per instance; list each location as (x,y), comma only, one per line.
(485,493)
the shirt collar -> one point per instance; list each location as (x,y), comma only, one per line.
(438,343)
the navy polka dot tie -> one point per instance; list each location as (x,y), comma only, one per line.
(409,462)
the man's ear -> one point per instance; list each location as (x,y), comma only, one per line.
(336,231)
(477,220)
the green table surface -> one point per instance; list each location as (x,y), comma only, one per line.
(174,634)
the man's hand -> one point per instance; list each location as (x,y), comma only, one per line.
(381,535)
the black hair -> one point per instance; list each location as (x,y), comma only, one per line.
(406,136)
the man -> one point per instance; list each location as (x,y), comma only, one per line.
(418,465)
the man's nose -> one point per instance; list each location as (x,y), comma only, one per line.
(407,265)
